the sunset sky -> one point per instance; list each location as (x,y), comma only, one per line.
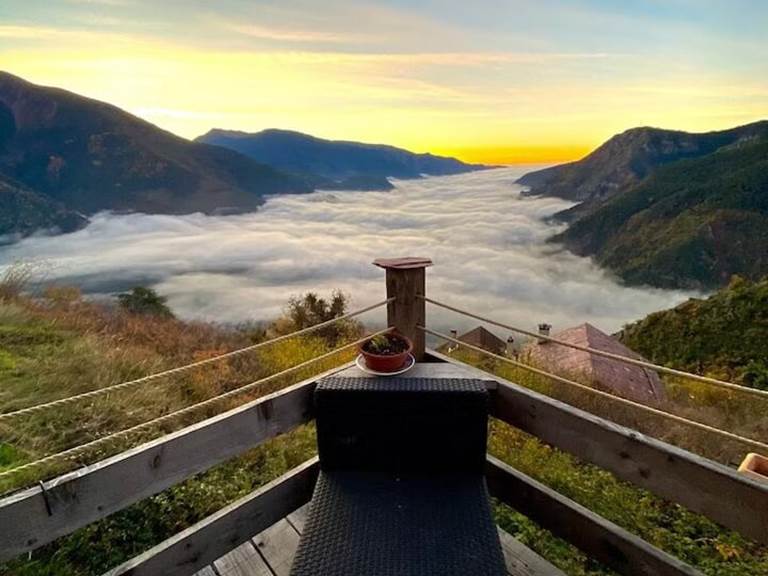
(487,80)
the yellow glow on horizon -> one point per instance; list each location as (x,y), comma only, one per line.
(517,154)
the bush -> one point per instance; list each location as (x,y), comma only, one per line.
(309,310)
(142,300)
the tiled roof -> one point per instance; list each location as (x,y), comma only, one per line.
(484,338)
(632,382)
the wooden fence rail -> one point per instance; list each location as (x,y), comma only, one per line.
(36,516)
(211,538)
(597,537)
(699,484)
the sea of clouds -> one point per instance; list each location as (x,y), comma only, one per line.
(486,240)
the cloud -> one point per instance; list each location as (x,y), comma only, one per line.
(487,242)
(294,34)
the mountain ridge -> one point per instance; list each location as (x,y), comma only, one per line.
(677,210)
(335,160)
(89,155)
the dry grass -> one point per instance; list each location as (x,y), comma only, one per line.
(730,411)
(61,345)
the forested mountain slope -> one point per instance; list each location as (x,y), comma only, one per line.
(87,156)
(336,160)
(693,223)
(725,335)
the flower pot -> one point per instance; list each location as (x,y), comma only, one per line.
(755,466)
(387,362)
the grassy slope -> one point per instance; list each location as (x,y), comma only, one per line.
(63,346)
(725,335)
(60,346)
(693,223)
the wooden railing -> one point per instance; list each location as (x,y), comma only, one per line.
(57,507)
(39,515)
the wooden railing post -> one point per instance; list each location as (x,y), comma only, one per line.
(406,279)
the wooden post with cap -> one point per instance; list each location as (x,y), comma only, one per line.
(406,279)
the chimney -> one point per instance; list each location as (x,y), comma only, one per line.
(510,349)
(452,345)
(544,329)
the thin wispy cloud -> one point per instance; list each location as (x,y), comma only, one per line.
(294,35)
(102,2)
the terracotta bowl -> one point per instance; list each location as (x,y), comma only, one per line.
(392,363)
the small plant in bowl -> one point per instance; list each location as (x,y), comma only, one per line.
(386,352)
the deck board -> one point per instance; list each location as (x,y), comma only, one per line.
(242,561)
(522,561)
(277,546)
(298,518)
(207,571)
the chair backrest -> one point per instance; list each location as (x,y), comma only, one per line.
(402,425)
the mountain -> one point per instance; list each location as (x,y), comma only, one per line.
(725,335)
(339,162)
(669,209)
(628,158)
(23,211)
(691,224)
(88,156)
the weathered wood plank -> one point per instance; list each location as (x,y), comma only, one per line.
(96,491)
(599,538)
(242,561)
(522,561)
(406,311)
(277,545)
(214,536)
(207,571)
(298,518)
(697,483)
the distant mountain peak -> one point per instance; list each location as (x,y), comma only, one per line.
(301,153)
(70,154)
(628,157)
(668,208)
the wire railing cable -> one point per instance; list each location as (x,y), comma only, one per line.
(604,354)
(755,444)
(131,383)
(73,452)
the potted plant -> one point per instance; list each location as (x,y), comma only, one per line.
(386,352)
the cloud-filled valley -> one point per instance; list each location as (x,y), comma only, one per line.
(487,243)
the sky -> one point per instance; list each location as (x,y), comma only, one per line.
(486,80)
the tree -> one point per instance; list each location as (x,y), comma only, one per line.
(309,310)
(143,300)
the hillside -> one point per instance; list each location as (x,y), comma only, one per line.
(725,335)
(23,211)
(59,344)
(692,224)
(338,161)
(90,156)
(627,158)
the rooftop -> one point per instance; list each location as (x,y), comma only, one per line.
(631,382)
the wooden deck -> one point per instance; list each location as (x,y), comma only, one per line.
(270,553)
